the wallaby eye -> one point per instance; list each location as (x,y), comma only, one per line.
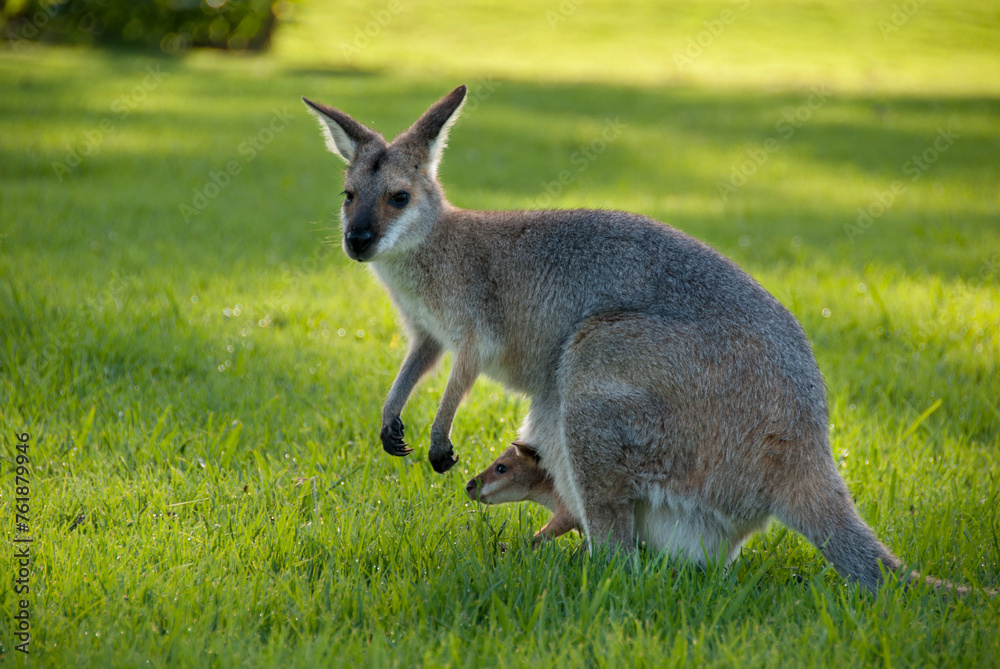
(348,196)
(500,469)
(399,199)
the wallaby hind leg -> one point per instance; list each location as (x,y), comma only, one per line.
(814,500)
(615,379)
(604,484)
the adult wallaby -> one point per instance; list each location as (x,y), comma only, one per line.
(659,372)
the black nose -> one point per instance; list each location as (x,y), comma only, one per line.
(471,485)
(359,241)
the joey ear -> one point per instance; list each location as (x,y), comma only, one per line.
(429,134)
(342,133)
(525,451)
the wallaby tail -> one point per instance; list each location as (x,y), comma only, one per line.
(856,552)
(819,506)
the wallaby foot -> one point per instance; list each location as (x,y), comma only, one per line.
(561,523)
(392,438)
(442,456)
(610,527)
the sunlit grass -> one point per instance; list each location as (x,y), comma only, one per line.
(758,43)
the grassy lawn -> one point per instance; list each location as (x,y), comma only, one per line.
(200,369)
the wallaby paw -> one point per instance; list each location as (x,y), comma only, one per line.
(392,438)
(443,461)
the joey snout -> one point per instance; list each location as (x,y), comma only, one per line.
(472,490)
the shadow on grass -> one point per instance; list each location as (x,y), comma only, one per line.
(516,140)
(675,148)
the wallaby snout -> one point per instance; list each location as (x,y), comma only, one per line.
(513,477)
(517,476)
(358,241)
(374,216)
(363,227)
(488,484)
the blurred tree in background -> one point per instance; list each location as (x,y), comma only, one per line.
(168,25)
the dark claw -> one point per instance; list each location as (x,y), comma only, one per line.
(392,438)
(441,464)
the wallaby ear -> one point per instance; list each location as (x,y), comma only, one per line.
(525,451)
(342,133)
(429,135)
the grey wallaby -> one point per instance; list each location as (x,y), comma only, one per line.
(660,374)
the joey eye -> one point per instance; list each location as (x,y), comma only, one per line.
(500,469)
(399,199)
(348,196)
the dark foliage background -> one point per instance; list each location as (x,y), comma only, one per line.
(168,25)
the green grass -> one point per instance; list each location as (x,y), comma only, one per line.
(207,487)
